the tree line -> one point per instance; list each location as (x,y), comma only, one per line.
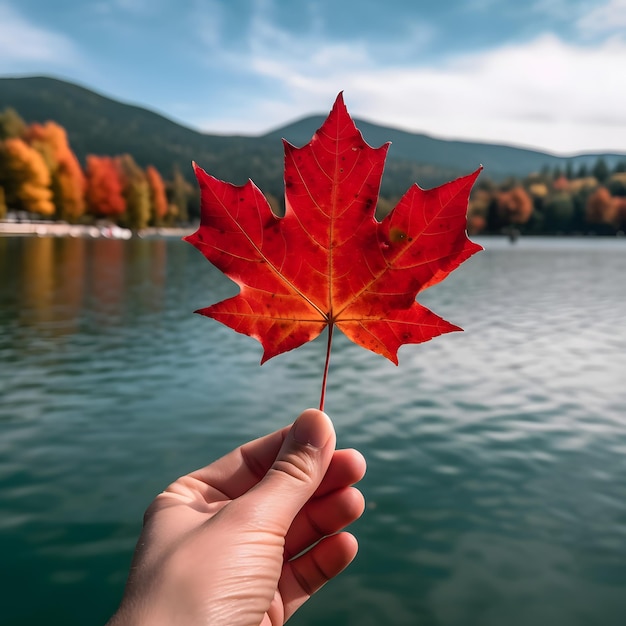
(41,176)
(559,201)
(590,201)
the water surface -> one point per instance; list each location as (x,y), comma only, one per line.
(496,482)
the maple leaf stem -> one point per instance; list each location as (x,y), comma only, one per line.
(325,378)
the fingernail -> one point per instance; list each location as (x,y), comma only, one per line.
(312,428)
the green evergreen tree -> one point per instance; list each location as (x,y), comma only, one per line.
(617,186)
(601,170)
(178,194)
(558,213)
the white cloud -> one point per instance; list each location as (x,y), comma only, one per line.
(609,18)
(559,9)
(545,93)
(23,42)
(207,19)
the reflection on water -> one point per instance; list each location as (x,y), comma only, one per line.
(57,281)
(496,486)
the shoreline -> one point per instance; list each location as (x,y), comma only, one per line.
(56,229)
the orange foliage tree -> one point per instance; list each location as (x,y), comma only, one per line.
(620,203)
(514,206)
(104,187)
(3,204)
(68,180)
(476,223)
(158,197)
(601,207)
(25,178)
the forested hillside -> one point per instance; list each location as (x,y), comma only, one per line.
(69,153)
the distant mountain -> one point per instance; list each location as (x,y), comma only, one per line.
(100,125)
(500,161)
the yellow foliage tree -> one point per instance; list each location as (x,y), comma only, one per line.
(11,124)
(158,197)
(25,178)
(178,192)
(67,178)
(136,191)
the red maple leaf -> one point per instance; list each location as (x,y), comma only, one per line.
(328,262)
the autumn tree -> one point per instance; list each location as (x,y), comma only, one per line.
(12,126)
(601,208)
(617,184)
(514,206)
(178,194)
(558,212)
(67,178)
(25,178)
(476,223)
(158,197)
(478,210)
(3,204)
(104,187)
(620,203)
(136,192)
(561,184)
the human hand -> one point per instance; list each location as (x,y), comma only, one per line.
(224,545)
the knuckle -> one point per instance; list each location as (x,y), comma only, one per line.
(297,466)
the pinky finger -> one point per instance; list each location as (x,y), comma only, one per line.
(304,575)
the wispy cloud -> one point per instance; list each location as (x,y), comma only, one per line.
(247,71)
(23,42)
(543,93)
(607,19)
(206,26)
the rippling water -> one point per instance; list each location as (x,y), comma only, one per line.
(496,485)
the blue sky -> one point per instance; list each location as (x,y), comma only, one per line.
(541,73)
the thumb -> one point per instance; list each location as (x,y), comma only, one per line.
(296,473)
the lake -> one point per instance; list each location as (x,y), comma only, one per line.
(496,484)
